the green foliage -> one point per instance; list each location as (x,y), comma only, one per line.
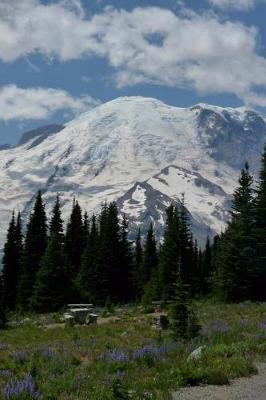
(12,263)
(49,292)
(34,248)
(184,323)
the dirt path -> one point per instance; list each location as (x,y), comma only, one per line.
(252,388)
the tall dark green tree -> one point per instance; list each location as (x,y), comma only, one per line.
(236,272)
(11,263)
(138,258)
(57,224)
(2,308)
(74,241)
(34,248)
(205,267)
(89,281)
(49,292)
(260,229)
(150,257)
(170,254)
(188,269)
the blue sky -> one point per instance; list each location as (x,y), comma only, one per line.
(59,58)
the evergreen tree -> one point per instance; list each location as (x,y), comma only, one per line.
(89,281)
(170,255)
(236,273)
(150,257)
(56,223)
(188,269)
(184,322)
(206,268)
(34,248)
(11,263)
(74,241)
(138,258)
(260,229)
(86,228)
(2,308)
(126,262)
(50,285)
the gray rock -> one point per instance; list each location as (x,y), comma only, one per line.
(197,353)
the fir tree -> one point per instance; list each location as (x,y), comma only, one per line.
(138,258)
(206,268)
(50,285)
(184,322)
(170,255)
(34,248)
(126,262)
(56,223)
(150,257)
(89,281)
(260,229)
(236,273)
(11,263)
(2,308)
(188,269)
(74,241)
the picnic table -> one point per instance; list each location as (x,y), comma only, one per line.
(80,314)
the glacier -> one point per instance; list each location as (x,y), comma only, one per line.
(142,153)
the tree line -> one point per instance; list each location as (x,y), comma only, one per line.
(93,260)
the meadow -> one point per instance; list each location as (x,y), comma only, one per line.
(126,358)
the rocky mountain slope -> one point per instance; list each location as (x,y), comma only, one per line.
(141,153)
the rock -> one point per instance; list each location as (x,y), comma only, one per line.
(197,353)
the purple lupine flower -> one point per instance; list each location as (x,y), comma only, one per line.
(243,322)
(216,326)
(49,352)
(20,356)
(262,326)
(15,388)
(156,352)
(114,355)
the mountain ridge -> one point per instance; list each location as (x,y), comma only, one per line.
(104,152)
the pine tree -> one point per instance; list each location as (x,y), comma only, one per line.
(2,308)
(57,223)
(236,273)
(138,258)
(125,262)
(260,229)
(150,257)
(49,292)
(188,269)
(74,241)
(86,228)
(184,322)
(34,248)
(206,268)
(170,255)
(11,264)
(89,280)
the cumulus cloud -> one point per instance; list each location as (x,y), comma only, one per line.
(39,103)
(241,5)
(145,45)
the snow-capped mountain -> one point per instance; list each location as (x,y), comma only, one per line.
(141,153)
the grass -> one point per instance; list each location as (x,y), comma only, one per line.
(128,359)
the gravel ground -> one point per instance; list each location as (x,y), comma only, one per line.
(252,388)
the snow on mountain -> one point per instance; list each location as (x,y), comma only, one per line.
(142,153)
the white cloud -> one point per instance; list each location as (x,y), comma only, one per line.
(241,5)
(196,51)
(39,103)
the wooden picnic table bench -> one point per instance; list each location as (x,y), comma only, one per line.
(80,314)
